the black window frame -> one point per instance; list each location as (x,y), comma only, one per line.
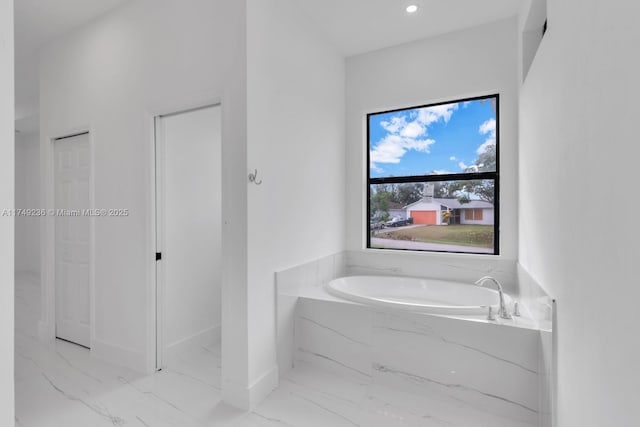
(466,176)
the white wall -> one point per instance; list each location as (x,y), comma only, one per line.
(27,241)
(149,57)
(478,61)
(578,143)
(7,161)
(296,141)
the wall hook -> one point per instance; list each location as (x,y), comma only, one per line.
(253,177)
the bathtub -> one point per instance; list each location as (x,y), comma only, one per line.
(417,294)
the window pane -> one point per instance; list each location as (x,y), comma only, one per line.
(445,216)
(459,137)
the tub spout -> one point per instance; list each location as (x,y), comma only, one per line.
(502,312)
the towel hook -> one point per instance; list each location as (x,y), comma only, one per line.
(253,177)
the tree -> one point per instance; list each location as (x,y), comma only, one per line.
(483,189)
(380,199)
(445,190)
(408,193)
(465,191)
(486,162)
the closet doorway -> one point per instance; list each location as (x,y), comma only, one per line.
(72,173)
(188,241)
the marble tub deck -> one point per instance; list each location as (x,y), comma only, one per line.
(61,385)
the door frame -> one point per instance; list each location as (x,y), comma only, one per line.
(47,324)
(157,214)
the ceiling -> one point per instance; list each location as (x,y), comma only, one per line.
(353,26)
(359,26)
(37,22)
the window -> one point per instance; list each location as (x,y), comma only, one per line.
(433,177)
(473,214)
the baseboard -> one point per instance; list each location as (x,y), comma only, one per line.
(120,356)
(247,398)
(205,337)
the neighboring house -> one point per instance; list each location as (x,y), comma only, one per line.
(397,210)
(429,211)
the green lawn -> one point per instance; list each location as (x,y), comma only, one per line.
(465,235)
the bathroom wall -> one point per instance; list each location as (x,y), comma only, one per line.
(478,61)
(295,86)
(578,133)
(7,178)
(27,241)
(111,77)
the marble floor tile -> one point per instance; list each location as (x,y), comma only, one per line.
(61,385)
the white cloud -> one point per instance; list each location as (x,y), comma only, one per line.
(453,158)
(393,147)
(397,123)
(377,169)
(408,132)
(483,148)
(441,172)
(487,128)
(429,115)
(462,166)
(413,130)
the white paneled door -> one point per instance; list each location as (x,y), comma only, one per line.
(72,238)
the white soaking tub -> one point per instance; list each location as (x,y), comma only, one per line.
(417,294)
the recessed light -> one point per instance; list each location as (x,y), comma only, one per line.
(412,8)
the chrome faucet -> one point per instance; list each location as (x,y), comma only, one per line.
(502,312)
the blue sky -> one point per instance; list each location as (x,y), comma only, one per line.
(441,139)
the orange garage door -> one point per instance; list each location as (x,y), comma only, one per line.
(424,217)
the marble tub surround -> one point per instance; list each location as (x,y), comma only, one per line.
(541,308)
(484,367)
(312,274)
(462,268)
(307,280)
(501,369)
(547,387)
(290,283)
(535,299)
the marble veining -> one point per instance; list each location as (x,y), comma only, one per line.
(96,407)
(432,333)
(316,323)
(332,360)
(481,366)
(72,366)
(143,422)
(325,408)
(416,378)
